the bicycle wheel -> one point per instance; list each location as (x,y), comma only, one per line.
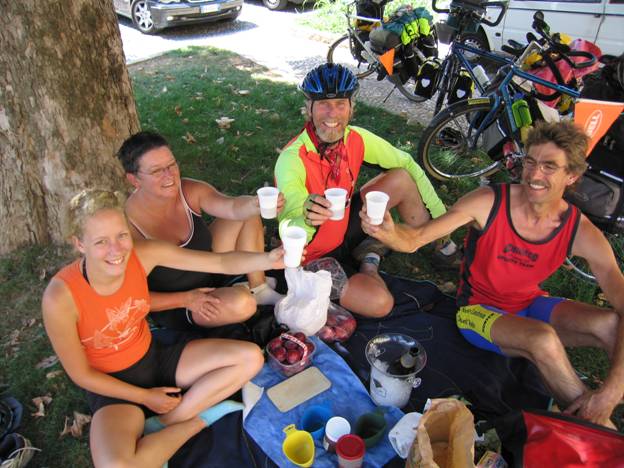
(579,268)
(404,88)
(451,147)
(342,52)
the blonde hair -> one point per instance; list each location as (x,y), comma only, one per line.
(87,203)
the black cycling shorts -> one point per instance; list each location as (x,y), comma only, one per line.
(157,368)
(353,237)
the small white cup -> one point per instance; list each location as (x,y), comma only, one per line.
(294,240)
(338,199)
(335,428)
(267,196)
(376,203)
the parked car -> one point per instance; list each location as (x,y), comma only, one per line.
(150,16)
(598,21)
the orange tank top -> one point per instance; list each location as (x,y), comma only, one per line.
(112,329)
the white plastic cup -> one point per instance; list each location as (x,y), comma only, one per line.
(376,203)
(267,196)
(335,428)
(294,240)
(338,199)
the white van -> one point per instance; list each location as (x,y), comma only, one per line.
(598,21)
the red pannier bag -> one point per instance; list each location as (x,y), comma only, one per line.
(567,72)
(540,439)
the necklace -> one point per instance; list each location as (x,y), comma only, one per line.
(84,271)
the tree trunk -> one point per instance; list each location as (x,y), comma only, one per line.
(66,105)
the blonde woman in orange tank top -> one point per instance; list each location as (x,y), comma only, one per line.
(94,313)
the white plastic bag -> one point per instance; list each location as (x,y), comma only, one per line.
(338,276)
(304,309)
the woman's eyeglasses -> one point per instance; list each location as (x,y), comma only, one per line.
(159,172)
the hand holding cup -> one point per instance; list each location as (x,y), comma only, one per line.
(268,200)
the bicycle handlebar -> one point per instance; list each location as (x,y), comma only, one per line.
(502,4)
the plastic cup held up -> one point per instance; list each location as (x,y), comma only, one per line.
(376,203)
(338,199)
(294,239)
(267,196)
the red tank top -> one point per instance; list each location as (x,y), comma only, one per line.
(112,329)
(331,234)
(504,270)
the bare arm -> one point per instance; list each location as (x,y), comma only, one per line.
(204,196)
(472,208)
(152,253)
(591,244)
(60,318)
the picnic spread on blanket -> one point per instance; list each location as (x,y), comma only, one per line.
(327,414)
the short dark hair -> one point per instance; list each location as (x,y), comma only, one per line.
(568,137)
(136,146)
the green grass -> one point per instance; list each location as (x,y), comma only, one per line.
(182,94)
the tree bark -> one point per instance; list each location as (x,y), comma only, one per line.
(66,105)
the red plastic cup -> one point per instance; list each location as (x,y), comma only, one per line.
(350,449)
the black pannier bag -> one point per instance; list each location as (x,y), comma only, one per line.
(427,79)
(600,193)
(600,197)
(368,9)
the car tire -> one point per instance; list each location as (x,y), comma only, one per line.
(476,40)
(275,4)
(142,17)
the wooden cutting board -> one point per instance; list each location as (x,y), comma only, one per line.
(298,388)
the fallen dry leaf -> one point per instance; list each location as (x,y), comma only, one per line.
(14,338)
(190,139)
(40,403)
(185,121)
(56,373)
(224,122)
(178,110)
(75,428)
(42,274)
(47,362)
(29,323)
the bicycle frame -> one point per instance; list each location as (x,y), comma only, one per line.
(501,94)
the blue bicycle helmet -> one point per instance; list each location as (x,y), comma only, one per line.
(329,81)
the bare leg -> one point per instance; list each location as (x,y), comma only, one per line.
(237,305)
(538,342)
(212,370)
(366,294)
(579,324)
(404,195)
(115,438)
(245,235)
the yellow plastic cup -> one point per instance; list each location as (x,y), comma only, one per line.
(298,446)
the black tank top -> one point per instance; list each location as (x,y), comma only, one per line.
(164,279)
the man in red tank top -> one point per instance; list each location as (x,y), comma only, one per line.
(518,236)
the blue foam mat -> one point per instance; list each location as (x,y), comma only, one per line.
(347,397)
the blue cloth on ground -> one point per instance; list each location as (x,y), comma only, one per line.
(346,397)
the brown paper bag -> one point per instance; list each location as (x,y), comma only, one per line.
(444,437)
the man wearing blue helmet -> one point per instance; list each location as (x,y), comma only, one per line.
(329,153)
